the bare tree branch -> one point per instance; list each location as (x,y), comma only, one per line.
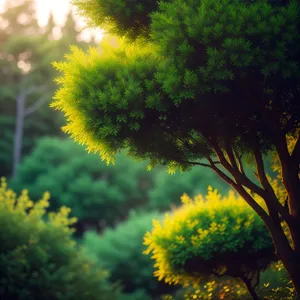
(36,88)
(239,159)
(271,200)
(231,157)
(196,163)
(251,201)
(36,105)
(296,151)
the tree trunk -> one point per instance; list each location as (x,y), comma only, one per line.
(294,261)
(21,113)
(18,138)
(289,256)
(250,288)
(295,277)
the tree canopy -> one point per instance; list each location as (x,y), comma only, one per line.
(198,78)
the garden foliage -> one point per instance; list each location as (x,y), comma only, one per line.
(211,235)
(83,182)
(38,257)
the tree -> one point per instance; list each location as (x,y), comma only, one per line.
(196,83)
(38,257)
(96,193)
(211,236)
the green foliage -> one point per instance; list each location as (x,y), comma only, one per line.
(120,17)
(83,182)
(168,189)
(214,289)
(200,79)
(120,250)
(277,285)
(207,236)
(38,258)
(273,285)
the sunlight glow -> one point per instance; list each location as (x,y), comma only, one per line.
(59,8)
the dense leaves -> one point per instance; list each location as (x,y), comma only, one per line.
(120,17)
(38,258)
(210,235)
(200,77)
(83,182)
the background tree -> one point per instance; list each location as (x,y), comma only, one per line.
(96,193)
(168,189)
(26,84)
(204,83)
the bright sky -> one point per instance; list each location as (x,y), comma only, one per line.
(59,8)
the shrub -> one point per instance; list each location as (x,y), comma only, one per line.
(209,236)
(120,251)
(38,258)
(83,182)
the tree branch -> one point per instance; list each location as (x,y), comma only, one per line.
(220,173)
(198,163)
(238,176)
(36,88)
(271,200)
(249,199)
(239,159)
(36,105)
(231,157)
(296,151)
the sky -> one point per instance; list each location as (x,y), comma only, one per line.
(59,8)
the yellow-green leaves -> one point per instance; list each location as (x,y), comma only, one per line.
(102,93)
(210,229)
(28,211)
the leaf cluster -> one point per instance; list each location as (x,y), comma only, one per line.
(200,76)
(118,17)
(38,257)
(211,235)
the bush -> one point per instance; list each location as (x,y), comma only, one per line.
(120,251)
(83,182)
(209,236)
(38,258)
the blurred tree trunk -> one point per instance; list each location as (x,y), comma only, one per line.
(21,113)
